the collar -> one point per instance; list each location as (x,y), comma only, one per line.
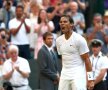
(49,48)
(17,61)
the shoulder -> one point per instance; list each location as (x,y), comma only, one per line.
(7,62)
(60,38)
(43,49)
(80,14)
(13,20)
(50,22)
(22,60)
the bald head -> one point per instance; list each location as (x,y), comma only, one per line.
(73,6)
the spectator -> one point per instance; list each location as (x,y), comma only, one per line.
(48,64)
(54,15)
(79,21)
(44,25)
(45,4)
(7,14)
(18,69)
(105,26)
(3,53)
(96,31)
(34,8)
(92,7)
(3,45)
(99,65)
(81,5)
(19,29)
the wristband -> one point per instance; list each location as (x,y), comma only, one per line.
(90,75)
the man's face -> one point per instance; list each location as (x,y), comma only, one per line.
(19,12)
(13,55)
(96,50)
(2,35)
(49,41)
(73,7)
(65,25)
(97,19)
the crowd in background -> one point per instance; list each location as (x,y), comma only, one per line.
(90,19)
(23,22)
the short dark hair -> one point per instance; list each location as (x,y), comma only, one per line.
(69,17)
(20,6)
(47,34)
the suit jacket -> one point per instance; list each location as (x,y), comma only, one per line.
(48,69)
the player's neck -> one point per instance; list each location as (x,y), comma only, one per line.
(68,35)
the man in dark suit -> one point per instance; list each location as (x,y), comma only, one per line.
(47,61)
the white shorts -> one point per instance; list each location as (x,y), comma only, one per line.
(77,84)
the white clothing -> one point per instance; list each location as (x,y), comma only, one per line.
(21,37)
(98,63)
(32,35)
(17,78)
(71,49)
(77,84)
(2,25)
(78,17)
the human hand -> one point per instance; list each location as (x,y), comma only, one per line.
(16,68)
(23,19)
(90,85)
(78,23)
(98,27)
(55,82)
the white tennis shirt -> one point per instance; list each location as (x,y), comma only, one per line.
(72,65)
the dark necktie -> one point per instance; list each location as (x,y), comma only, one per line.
(52,54)
(8,18)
